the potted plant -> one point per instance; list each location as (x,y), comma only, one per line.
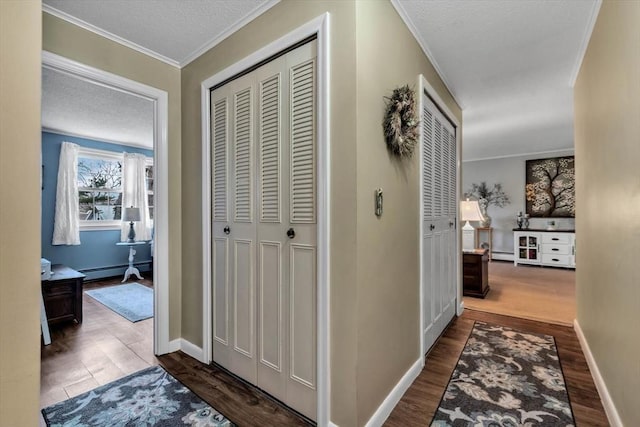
(487,197)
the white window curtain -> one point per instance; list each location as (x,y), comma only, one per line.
(134,193)
(66,224)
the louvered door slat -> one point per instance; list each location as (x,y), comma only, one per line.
(437,170)
(270,149)
(303,143)
(427,162)
(452,176)
(219,134)
(243,171)
(445,172)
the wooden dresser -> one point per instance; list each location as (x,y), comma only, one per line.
(475,273)
(63,294)
(553,248)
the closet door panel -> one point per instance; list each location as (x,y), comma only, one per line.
(243,309)
(271,316)
(302,209)
(303,320)
(273,263)
(220,290)
(220,209)
(242,228)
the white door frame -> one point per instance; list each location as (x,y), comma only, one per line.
(320,27)
(425,87)
(161,178)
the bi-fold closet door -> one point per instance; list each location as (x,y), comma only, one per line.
(439,213)
(263,145)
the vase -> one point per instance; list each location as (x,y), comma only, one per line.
(484,204)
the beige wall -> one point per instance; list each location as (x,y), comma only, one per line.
(387,256)
(20,43)
(70,41)
(607,135)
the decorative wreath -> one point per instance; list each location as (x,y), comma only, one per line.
(400,123)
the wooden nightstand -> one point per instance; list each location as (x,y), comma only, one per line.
(475,273)
(63,294)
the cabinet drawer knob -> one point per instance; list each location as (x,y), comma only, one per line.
(555,249)
(555,259)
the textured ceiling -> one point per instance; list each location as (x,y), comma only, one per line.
(78,107)
(510,64)
(173,30)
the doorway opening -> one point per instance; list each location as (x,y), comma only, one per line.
(95,343)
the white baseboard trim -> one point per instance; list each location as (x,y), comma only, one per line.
(174,345)
(192,350)
(188,348)
(460,308)
(384,410)
(501,256)
(605,397)
(332,424)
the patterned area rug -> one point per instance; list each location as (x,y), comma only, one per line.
(132,301)
(505,377)
(150,397)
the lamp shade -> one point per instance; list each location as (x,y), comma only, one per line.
(131,214)
(470,211)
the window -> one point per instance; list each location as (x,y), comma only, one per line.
(100,188)
(149,174)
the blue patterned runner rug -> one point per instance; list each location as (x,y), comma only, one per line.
(150,397)
(506,377)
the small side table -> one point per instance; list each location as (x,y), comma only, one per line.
(475,273)
(132,253)
(489,231)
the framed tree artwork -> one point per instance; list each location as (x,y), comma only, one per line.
(550,189)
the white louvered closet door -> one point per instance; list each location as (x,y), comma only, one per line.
(234,228)
(268,306)
(439,206)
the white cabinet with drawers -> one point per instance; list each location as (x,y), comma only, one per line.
(548,248)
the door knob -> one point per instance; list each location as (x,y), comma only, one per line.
(227,230)
(432,227)
(291,233)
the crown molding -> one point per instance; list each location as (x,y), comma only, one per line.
(425,48)
(106,34)
(259,10)
(507,156)
(585,42)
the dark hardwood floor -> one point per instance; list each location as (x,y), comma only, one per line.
(106,347)
(240,402)
(417,406)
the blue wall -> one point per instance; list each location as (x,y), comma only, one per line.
(97,249)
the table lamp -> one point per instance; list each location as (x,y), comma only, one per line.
(131,214)
(469,211)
